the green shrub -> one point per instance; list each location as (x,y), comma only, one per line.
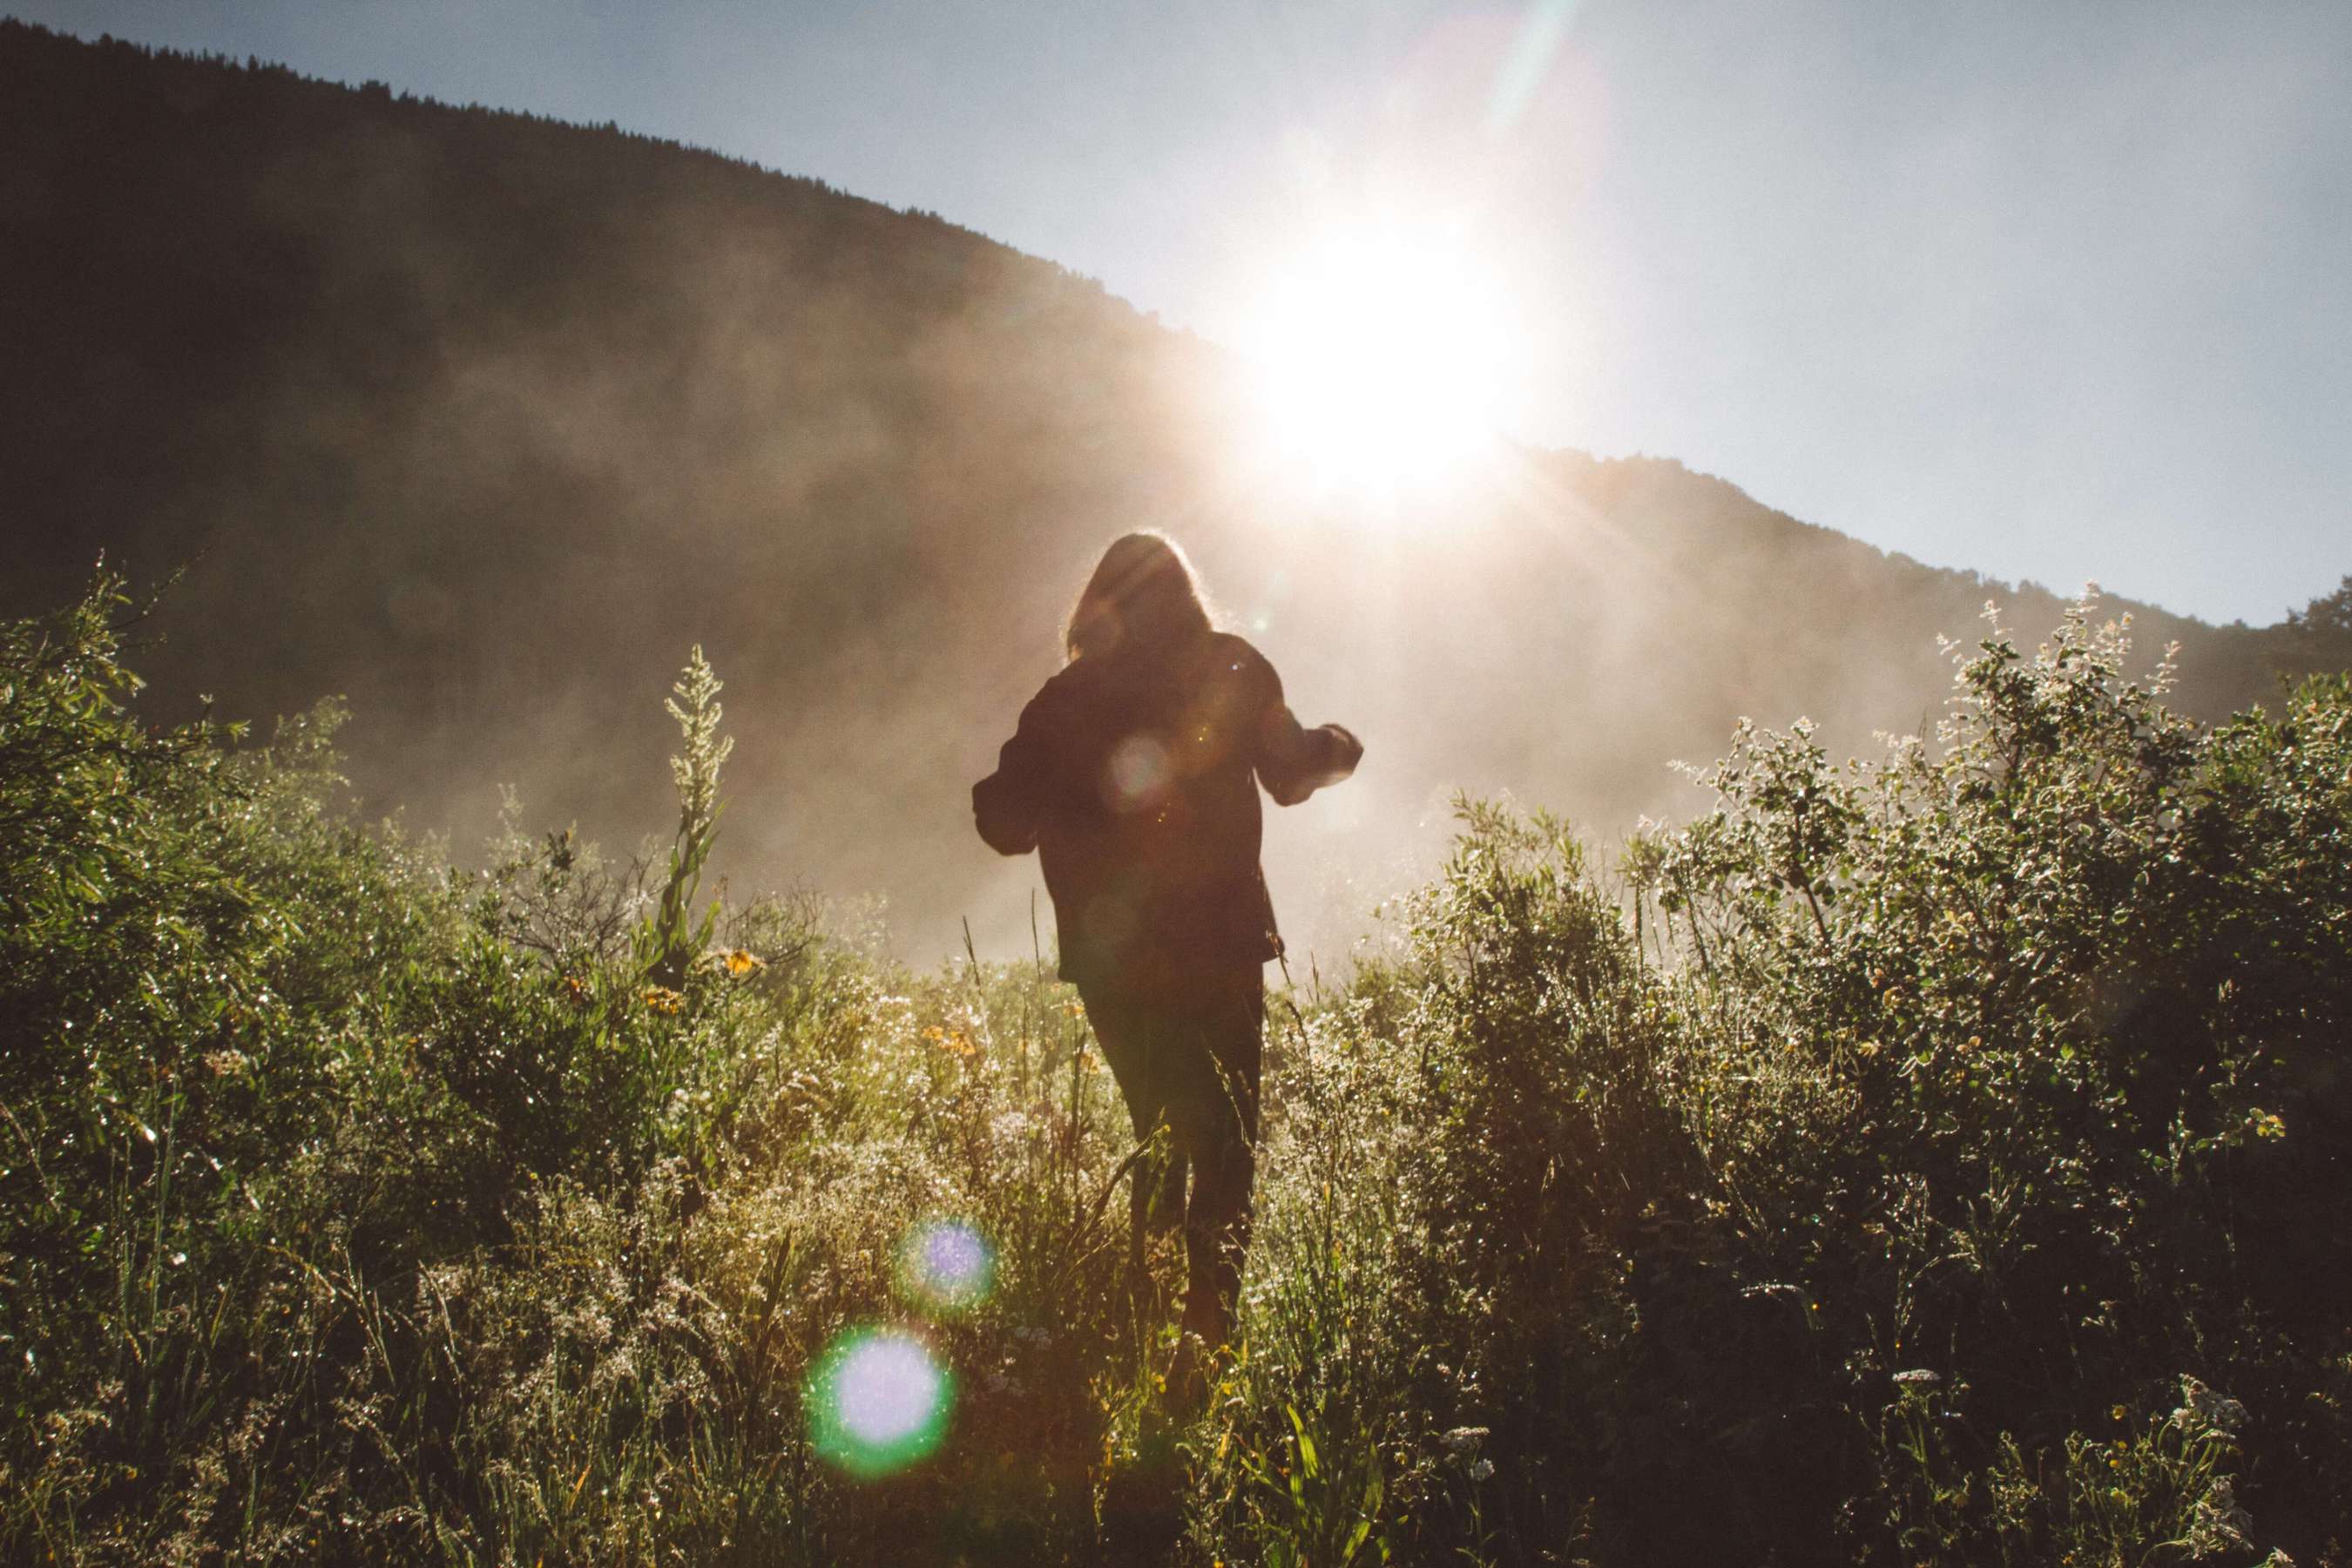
(1889,1166)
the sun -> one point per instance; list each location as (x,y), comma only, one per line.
(1382,359)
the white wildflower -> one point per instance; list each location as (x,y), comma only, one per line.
(2219,1524)
(2202,1406)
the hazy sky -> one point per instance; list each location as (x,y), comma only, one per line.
(2052,290)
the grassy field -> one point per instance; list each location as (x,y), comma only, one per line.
(1933,1159)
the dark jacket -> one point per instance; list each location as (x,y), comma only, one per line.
(1135,779)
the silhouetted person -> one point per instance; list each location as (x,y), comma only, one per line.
(1134,775)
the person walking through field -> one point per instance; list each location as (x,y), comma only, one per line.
(1134,774)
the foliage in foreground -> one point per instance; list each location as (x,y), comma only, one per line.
(1940,1159)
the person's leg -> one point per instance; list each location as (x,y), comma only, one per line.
(1135,1042)
(1216,1101)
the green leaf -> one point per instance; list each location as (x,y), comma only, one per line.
(1308,1462)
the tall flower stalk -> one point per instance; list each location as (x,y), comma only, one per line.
(670,941)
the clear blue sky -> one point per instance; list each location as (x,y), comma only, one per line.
(2053,291)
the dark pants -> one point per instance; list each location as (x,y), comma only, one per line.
(1189,1057)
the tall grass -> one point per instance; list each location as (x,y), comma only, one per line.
(1936,1159)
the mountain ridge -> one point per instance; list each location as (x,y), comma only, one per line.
(481,418)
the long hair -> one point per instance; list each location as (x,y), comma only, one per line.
(1142,595)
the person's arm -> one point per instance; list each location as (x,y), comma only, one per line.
(1009,805)
(1294,761)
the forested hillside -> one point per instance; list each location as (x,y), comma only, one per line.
(476,418)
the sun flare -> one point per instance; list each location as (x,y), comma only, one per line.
(1382,359)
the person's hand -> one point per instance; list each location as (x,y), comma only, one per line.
(1352,751)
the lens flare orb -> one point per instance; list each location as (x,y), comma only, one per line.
(1139,773)
(947,1266)
(877,1402)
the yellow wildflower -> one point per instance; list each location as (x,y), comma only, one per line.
(664,1000)
(955,1042)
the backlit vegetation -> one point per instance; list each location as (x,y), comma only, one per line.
(1939,1158)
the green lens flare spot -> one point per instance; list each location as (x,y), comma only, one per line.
(877,1402)
(946,1267)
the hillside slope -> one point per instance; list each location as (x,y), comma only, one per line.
(481,419)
